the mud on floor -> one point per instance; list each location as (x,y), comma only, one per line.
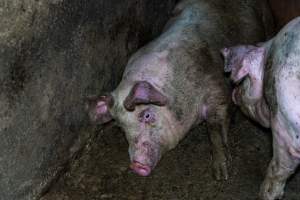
(184,173)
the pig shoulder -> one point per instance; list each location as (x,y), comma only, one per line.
(283,62)
(283,77)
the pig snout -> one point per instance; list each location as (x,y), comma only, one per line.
(144,158)
(140,169)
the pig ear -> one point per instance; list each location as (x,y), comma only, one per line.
(144,93)
(239,72)
(242,60)
(253,62)
(98,108)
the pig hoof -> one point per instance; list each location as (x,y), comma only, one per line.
(220,170)
(271,191)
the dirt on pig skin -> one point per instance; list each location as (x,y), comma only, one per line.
(185,173)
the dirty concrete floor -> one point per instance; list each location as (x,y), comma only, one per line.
(101,172)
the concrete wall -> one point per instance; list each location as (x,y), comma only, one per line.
(52,54)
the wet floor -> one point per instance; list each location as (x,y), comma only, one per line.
(101,172)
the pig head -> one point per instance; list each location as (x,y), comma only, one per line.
(246,65)
(143,114)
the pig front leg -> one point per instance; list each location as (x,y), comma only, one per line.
(217,125)
(282,165)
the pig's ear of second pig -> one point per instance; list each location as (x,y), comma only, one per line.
(98,108)
(144,93)
(253,62)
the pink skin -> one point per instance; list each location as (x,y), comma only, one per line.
(101,107)
(294,152)
(144,158)
(98,108)
(145,152)
(137,112)
(140,169)
(246,64)
(288,100)
(247,71)
(144,93)
(257,110)
(144,147)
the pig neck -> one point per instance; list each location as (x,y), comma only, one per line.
(257,74)
(254,101)
(258,107)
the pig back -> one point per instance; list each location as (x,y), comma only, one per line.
(189,66)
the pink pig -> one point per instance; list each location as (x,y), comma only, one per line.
(267,78)
(176,82)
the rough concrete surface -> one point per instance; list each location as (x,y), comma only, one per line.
(185,173)
(52,54)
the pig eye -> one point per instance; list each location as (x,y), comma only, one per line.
(147,116)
